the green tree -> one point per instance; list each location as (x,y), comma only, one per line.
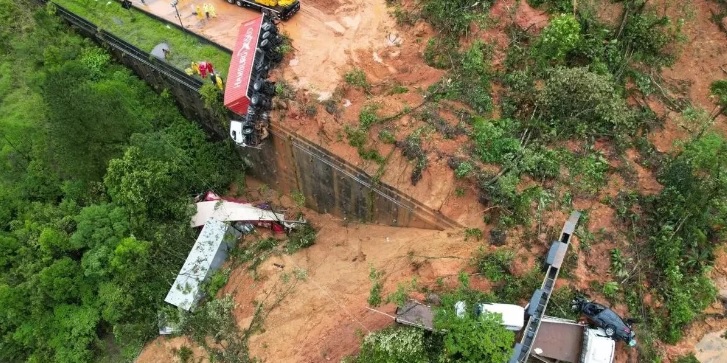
(578,102)
(73,333)
(393,345)
(719,92)
(84,134)
(453,17)
(684,222)
(562,35)
(474,339)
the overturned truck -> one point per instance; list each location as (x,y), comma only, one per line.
(249,93)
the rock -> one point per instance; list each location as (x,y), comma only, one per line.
(498,237)
(405,120)
(280,104)
(336,27)
(722,295)
(433,299)
(420,29)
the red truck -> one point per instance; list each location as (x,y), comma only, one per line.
(248,92)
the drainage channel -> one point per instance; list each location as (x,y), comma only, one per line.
(338,187)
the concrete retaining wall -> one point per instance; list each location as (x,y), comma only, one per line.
(286,162)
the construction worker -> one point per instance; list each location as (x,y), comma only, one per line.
(195,68)
(217,80)
(202,69)
(213,11)
(207,10)
(200,14)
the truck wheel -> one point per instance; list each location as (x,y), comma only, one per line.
(610,330)
(231,1)
(239,3)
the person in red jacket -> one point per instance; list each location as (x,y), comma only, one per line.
(205,68)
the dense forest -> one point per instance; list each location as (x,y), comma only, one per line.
(98,171)
(97,174)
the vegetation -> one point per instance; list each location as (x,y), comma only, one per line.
(468,338)
(145,32)
(357,78)
(583,82)
(98,171)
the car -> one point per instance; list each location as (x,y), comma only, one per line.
(603,317)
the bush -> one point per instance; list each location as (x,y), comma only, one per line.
(562,34)
(356,136)
(393,345)
(554,6)
(495,266)
(493,141)
(453,17)
(357,78)
(368,116)
(472,76)
(302,237)
(440,52)
(577,102)
(473,339)
(475,233)
(650,36)
(463,169)
(387,137)
(217,281)
(375,295)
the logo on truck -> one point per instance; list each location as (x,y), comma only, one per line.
(244,51)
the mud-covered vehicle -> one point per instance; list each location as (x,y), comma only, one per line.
(603,317)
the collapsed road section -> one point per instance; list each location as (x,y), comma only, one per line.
(248,92)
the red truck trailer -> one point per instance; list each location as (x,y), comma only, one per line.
(248,93)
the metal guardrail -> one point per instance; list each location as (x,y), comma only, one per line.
(91,30)
(193,84)
(541,297)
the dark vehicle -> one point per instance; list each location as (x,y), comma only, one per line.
(603,317)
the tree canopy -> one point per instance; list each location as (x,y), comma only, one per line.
(97,175)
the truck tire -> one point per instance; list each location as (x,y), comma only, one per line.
(610,330)
(239,3)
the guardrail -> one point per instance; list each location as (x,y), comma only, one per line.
(91,30)
(329,183)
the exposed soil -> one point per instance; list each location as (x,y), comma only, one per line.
(326,315)
(701,61)
(163,349)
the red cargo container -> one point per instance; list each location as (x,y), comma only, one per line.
(237,97)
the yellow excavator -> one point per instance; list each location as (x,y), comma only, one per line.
(277,9)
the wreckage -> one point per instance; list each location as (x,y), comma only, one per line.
(248,93)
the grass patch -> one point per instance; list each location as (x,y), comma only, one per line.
(145,32)
(357,78)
